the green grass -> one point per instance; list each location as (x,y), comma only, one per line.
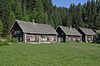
(68,54)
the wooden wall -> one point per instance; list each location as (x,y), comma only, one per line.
(40,38)
(74,38)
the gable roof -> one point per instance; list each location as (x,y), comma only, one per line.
(70,31)
(87,31)
(35,28)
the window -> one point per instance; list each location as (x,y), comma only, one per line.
(89,40)
(51,39)
(45,39)
(69,38)
(78,39)
(32,39)
(17,32)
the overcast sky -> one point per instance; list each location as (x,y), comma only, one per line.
(66,3)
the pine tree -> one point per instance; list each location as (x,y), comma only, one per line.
(40,11)
(4,16)
(46,18)
(17,10)
(63,12)
(30,5)
(56,17)
(23,7)
(12,18)
(78,16)
(1,26)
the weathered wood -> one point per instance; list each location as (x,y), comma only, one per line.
(24,32)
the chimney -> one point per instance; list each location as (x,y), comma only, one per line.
(70,27)
(33,21)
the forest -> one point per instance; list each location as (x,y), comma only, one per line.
(43,11)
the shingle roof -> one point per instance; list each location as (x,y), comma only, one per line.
(30,27)
(70,31)
(87,31)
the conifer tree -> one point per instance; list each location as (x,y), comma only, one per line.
(40,11)
(4,16)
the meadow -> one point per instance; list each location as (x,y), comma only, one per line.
(62,54)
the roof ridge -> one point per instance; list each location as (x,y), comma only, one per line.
(68,31)
(31,22)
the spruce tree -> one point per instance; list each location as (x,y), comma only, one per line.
(1,26)
(4,16)
(40,11)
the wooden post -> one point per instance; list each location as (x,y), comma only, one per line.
(81,39)
(56,38)
(86,38)
(39,38)
(25,38)
(92,38)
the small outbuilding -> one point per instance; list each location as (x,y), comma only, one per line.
(33,32)
(87,34)
(68,34)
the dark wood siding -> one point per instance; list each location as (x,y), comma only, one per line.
(17,32)
(61,35)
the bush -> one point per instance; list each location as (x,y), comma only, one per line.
(3,43)
(97,39)
(13,40)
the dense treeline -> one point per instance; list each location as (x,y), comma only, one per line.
(43,11)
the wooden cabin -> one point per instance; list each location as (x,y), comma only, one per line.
(87,34)
(33,32)
(68,34)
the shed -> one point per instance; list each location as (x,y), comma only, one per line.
(87,34)
(68,34)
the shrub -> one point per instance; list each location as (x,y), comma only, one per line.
(3,43)
(13,40)
(97,41)
(97,38)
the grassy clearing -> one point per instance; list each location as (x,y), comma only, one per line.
(69,54)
